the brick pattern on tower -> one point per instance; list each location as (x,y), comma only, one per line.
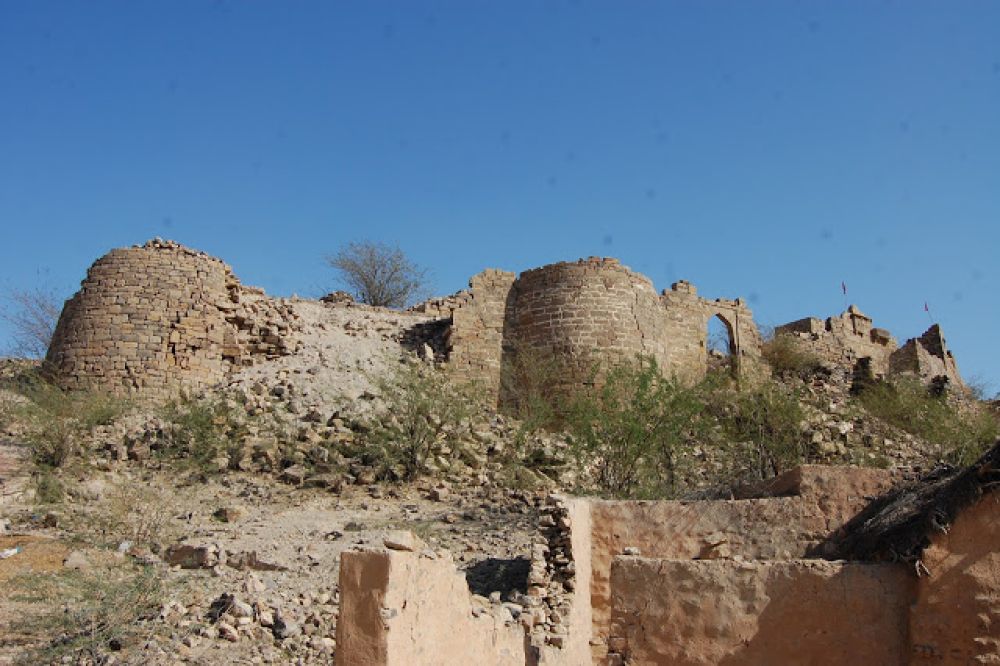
(157,319)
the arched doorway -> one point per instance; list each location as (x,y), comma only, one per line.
(720,345)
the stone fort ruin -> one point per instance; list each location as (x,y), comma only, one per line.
(158,319)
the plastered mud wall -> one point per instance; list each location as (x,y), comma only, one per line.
(406,607)
(680,583)
(956,617)
(160,318)
(702,613)
(813,501)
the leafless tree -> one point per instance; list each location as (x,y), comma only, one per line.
(31,315)
(378,274)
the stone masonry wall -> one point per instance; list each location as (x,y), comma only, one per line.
(475,336)
(580,314)
(583,313)
(157,319)
(844,339)
(926,357)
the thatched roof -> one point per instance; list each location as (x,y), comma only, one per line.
(898,526)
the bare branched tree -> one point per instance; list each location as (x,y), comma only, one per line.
(32,315)
(378,274)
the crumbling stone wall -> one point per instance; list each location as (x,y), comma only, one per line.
(849,338)
(474,338)
(157,319)
(582,314)
(844,339)
(926,357)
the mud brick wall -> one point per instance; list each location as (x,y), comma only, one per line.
(158,319)
(699,613)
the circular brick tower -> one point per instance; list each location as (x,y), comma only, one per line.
(580,314)
(147,320)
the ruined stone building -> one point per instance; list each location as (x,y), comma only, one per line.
(158,319)
(583,313)
(851,339)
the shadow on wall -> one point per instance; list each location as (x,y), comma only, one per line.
(505,576)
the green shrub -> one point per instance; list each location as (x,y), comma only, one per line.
(424,415)
(788,355)
(56,422)
(530,389)
(959,434)
(768,417)
(201,431)
(48,487)
(635,430)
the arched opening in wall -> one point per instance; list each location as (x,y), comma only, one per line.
(720,345)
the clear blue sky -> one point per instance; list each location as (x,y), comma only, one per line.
(768,150)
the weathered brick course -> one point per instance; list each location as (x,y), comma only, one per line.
(158,319)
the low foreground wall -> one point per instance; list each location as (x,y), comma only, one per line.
(813,502)
(956,619)
(701,583)
(688,613)
(405,607)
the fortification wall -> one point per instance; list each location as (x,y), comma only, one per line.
(577,316)
(157,319)
(686,318)
(475,335)
(584,313)
(926,357)
(844,339)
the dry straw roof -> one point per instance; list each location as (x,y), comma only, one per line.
(898,526)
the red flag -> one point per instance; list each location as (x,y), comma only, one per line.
(843,287)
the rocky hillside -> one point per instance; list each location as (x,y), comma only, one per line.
(208,530)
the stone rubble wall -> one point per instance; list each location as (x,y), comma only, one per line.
(926,357)
(844,339)
(154,320)
(580,315)
(700,613)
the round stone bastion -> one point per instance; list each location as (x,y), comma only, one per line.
(584,312)
(151,320)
